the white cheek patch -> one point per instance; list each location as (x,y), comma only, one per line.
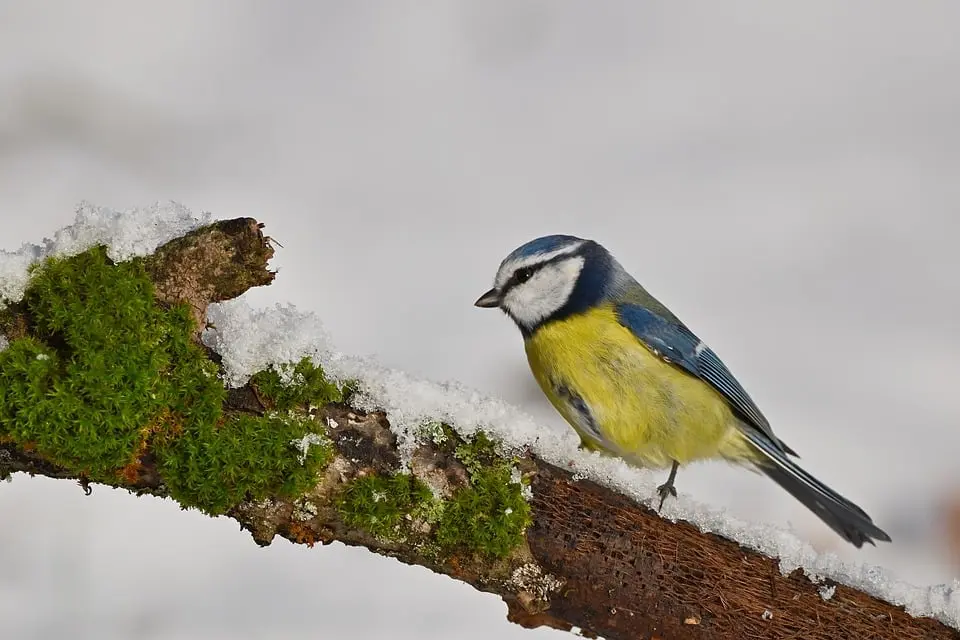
(545,293)
(507,270)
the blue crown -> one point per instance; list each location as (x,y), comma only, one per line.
(543,245)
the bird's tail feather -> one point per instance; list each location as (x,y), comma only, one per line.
(841,515)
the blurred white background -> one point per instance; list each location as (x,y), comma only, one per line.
(783,176)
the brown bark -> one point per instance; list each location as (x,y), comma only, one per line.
(592,559)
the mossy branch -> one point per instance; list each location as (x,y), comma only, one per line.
(104,380)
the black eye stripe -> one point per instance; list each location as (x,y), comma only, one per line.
(523,274)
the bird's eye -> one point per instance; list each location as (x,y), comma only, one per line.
(522,275)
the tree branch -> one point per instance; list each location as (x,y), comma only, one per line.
(590,557)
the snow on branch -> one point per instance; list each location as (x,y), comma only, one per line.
(126,359)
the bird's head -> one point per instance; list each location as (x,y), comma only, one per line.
(550,278)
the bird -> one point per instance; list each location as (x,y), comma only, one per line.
(634,382)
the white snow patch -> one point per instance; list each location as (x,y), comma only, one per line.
(826,592)
(251,339)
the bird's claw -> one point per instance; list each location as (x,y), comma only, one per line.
(666,489)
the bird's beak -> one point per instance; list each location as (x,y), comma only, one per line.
(489,300)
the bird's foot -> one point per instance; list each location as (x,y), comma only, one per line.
(666,489)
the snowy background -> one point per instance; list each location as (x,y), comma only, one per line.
(783,177)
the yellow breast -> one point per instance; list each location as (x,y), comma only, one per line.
(624,399)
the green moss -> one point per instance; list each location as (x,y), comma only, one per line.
(108,374)
(477,452)
(383,505)
(104,361)
(216,466)
(288,386)
(488,517)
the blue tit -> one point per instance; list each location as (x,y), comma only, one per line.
(635,382)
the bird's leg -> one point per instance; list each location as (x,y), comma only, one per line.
(667,488)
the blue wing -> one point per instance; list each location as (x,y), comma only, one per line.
(675,343)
